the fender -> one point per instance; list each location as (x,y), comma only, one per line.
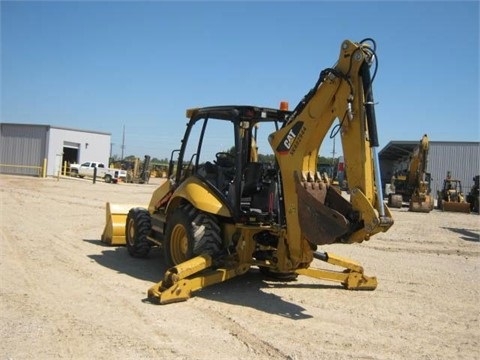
(200,196)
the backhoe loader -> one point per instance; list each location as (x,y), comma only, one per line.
(414,187)
(217,219)
(451,197)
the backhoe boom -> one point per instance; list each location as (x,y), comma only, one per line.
(345,93)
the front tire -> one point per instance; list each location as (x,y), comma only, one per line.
(191,232)
(137,228)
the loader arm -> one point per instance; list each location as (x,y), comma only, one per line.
(343,92)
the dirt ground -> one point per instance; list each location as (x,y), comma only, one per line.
(66,295)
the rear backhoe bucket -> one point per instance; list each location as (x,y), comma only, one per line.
(424,206)
(319,223)
(116,216)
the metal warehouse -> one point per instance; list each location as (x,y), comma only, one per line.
(461,159)
(42,150)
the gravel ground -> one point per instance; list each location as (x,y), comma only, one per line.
(66,295)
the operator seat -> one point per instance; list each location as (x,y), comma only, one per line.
(252,179)
(213,174)
(259,194)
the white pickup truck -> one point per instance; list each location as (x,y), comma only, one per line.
(87,169)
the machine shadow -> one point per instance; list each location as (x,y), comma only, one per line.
(468,235)
(98,243)
(247,290)
(117,258)
(244,290)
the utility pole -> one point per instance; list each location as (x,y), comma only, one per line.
(333,152)
(334,171)
(123,140)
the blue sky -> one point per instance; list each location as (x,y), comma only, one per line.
(104,65)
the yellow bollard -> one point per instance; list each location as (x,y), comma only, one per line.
(44,168)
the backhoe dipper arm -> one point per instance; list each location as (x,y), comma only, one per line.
(418,164)
(343,92)
(418,181)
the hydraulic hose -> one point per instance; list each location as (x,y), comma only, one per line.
(369,104)
(372,131)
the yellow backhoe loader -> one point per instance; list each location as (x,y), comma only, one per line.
(451,197)
(217,219)
(414,187)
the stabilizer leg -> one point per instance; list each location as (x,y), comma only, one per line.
(352,278)
(182,280)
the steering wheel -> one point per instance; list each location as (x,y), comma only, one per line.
(225,159)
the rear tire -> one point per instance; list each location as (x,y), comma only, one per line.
(395,201)
(108,179)
(137,228)
(191,232)
(278,276)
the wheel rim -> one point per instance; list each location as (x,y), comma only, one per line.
(131,232)
(179,244)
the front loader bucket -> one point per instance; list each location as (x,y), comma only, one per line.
(417,205)
(456,206)
(114,232)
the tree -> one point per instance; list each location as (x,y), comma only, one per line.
(159,161)
(130,158)
(325,160)
(270,158)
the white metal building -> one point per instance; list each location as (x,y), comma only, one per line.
(26,148)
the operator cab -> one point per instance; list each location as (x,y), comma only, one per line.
(220,148)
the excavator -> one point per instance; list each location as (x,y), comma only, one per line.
(414,186)
(215,220)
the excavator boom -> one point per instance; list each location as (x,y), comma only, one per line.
(420,200)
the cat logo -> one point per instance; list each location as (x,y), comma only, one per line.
(289,139)
(289,142)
